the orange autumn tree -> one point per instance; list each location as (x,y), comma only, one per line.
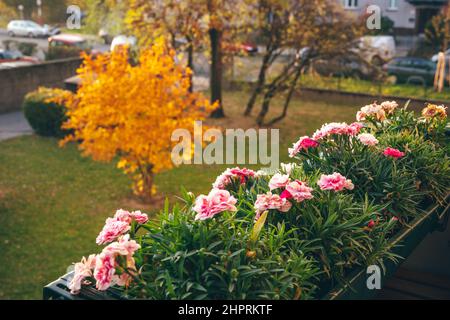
(130,111)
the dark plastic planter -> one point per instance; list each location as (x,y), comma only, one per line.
(356,289)
(404,244)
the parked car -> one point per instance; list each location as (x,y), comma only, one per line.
(411,70)
(27,28)
(15,56)
(376,49)
(67,45)
(52,30)
(349,65)
(239,48)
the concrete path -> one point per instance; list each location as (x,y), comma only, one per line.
(13,125)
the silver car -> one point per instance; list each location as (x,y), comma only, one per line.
(26,28)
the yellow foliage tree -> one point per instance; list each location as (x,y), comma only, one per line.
(130,111)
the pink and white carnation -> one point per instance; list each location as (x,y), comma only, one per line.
(368,139)
(338,128)
(112,230)
(237,173)
(304,143)
(105,268)
(106,264)
(329,129)
(271,201)
(393,153)
(215,202)
(372,110)
(124,247)
(82,270)
(127,216)
(354,128)
(335,182)
(389,106)
(297,190)
(278,181)
(139,217)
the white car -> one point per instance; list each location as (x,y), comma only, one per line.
(376,49)
(26,28)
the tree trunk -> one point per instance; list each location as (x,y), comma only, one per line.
(190,63)
(259,85)
(288,98)
(215,37)
(143,186)
(265,105)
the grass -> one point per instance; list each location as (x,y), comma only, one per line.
(364,86)
(53,201)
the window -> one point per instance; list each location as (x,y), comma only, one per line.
(392,5)
(350,4)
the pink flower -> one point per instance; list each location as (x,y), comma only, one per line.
(329,129)
(242,173)
(140,217)
(367,139)
(271,201)
(215,202)
(112,230)
(123,215)
(124,246)
(299,191)
(372,110)
(371,224)
(304,143)
(394,153)
(127,216)
(237,173)
(354,128)
(105,268)
(106,264)
(286,195)
(389,106)
(335,181)
(278,181)
(82,270)
(337,128)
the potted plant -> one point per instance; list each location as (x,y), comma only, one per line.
(359,194)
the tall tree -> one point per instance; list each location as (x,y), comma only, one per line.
(309,30)
(117,111)
(227,18)
(108,15)
(178,21)
(195,21)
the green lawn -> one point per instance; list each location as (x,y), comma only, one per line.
(53,201)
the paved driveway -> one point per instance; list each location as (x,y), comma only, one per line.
(13,124)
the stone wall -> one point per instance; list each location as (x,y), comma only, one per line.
(15,83)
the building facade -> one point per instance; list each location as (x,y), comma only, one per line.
(409,16)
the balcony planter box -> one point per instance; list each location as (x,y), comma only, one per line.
(404,244)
